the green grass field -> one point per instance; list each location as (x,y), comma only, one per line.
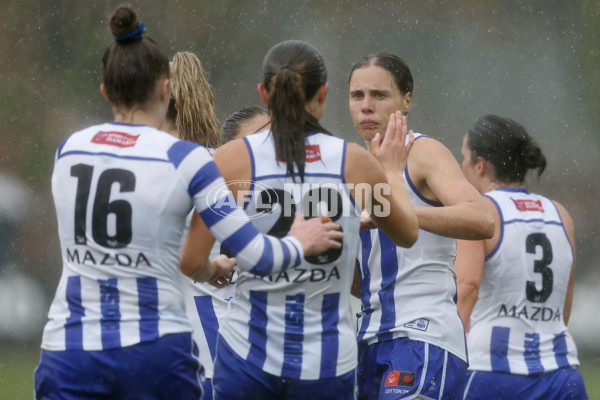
(17,364)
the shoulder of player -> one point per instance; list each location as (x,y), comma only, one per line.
(430,156)
(426,149)
(233,160)
(565,216)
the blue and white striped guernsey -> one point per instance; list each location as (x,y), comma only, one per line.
(298,324)
(122,193)
(205,307)
(517,324)
(410,292)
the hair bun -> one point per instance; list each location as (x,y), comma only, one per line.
(123,22)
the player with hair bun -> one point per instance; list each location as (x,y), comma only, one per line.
(117,327)
(515,290)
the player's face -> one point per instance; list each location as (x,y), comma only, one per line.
(468,168)
(373,97)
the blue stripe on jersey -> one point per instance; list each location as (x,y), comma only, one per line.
(60,147)
(148,305)
(532,353)
(365,283)
(297,175)
(253,170)
(257,335)
(416,191)
(560,350)
(389,271)
(109,306)
(499,349)
(209,322)
(265,263)
(73,326)
(179,150)
(287,256)
(533,220)
(101,153)
(330,335)
(221,209)
(293,336)
(203,177)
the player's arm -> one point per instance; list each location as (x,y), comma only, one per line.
(469,265)
(194,260)
(464,215)
(470,258)
(570,229)
(254,251)
(391,209)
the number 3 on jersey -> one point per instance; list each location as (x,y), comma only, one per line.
(541,266)
(102,206)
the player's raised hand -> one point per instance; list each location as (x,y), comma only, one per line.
(392,152)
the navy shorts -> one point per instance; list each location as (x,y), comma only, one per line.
(235,378)
(562,384)
(404,368)
(163,369)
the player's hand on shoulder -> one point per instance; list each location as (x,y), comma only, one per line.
(223,270)
(316,234)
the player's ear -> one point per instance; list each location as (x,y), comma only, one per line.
(103,91)
(407,103)
(323,93)
(264,95)
(482,166)
(165,90)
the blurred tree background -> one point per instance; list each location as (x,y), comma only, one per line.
(537,62)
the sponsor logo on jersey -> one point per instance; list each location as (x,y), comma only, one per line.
(107,259)
(528,205)
(397,378)
(531,313)
(118,139)
(420,324)
(299,275)
(312,152)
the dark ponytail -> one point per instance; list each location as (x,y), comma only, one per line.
(293,72)
(132,64)
(506,145)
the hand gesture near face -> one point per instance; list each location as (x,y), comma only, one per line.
(392,151)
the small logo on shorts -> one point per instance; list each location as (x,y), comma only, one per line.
(397,378)
(420,324)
